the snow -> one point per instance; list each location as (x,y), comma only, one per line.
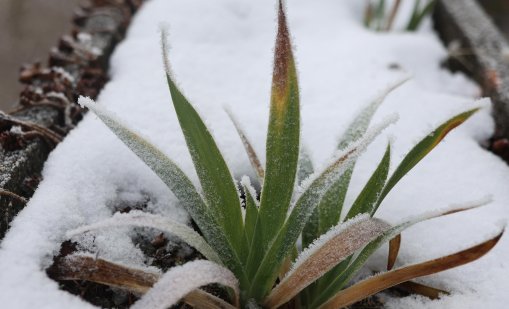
(221,53)
(181,280)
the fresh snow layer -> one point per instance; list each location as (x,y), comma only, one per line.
(221,54)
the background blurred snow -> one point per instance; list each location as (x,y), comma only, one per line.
(222,55)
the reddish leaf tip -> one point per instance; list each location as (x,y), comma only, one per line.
(283,55)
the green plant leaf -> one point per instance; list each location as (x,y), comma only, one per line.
(299,215)
(334,286)
(328,211)
(331,205)
(251,209)
(215,178)
(380,15)
(305,168)
(177,181)
(420,150)
(415,11)
(419,14)
(282,137)
(310,231)
(369,195)
(361,122)
(282,147)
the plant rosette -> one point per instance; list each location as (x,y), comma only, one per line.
(250,243)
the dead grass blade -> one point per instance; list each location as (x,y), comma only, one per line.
(82,267)
(389,279)
(47,134)
(138,281)
(394,245)
(410,286)
(203,300)
(421,289)
(251,153)
(392,15)
(13,195)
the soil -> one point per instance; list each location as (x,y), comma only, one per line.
(160,251)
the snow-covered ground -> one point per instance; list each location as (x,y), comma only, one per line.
(222,55)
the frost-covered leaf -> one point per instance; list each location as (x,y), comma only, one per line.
(141,219)
(383,281)
(334,286)
(181,280)
(215,177)
(310,231)
(299,215)
(305,168)
(282,147)
(251,153)
(328,211)
(282,144)
(361,122)
(368,197)
(176,180)
(330,207)
(326,252)
(420,150)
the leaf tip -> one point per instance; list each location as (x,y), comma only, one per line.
(283,58)
(85,101)
(165,47)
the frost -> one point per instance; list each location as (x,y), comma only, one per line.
(165,48)
(361,122)
(245,181)
(453,208)
(16,130)
(343,158)
(181,280)
(326,252)
(140,219)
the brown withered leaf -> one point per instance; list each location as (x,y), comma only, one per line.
(394,246)
(389,279)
